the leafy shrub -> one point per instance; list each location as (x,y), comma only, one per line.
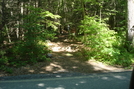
(25,52)
(7,69)
(35,27)
(105,45)
(3,58)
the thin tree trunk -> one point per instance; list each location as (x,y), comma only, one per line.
(100,14)
(8,35)
(22,12)
(83,12)
(17,30)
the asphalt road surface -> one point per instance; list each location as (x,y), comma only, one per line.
(114,80)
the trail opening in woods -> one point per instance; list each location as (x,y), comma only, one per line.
(65,56)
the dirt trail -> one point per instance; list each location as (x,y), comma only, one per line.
(71,59)
(65,57)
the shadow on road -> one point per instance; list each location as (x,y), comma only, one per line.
(68,81)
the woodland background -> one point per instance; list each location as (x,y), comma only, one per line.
(100,24)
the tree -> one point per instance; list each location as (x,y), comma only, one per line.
(130,8)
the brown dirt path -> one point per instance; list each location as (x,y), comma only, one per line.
(66,57)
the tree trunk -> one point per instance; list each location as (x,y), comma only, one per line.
(130,5)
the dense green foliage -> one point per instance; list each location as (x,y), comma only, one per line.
(100,25)
(29,49)
(104,44)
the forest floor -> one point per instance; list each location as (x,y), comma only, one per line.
(66,56)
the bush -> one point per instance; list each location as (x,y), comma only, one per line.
(27,53)
(105,45)
(3,58)
(28,49)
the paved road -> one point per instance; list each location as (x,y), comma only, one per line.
(116,80)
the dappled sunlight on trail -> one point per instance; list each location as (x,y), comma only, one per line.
(61,46)
(65,57)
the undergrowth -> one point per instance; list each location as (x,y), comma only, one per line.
(38,26)
(104,44)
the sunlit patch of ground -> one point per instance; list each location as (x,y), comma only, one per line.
(61,46)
